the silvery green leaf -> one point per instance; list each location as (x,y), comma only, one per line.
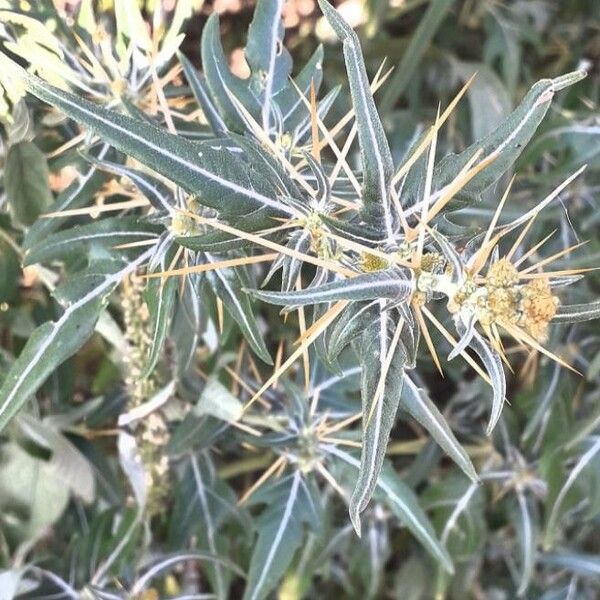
(269,61)
(349,325)
(53,342)
(493,365)
(508,140)
(71,466)
(20,474)
(526,524)
(372,349)
(359,232)
(468,330)
(450,254)
(153,189)
(587,565)
(291,502)
(290,104)
(575,313)
(222,82)
(323,186)
(214,175)
(267,165)
(228,285)
(417,403)
(133,467)
(217,401)
(290,266)
(402,501)
(368,286)
(198,87)
(555,512)
(218,242)
(79,193)
(377,167)
(302,132)
(160,299)
(77,240)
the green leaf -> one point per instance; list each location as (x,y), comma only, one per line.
(372,350)
(53,342)
(526,525)
(555,512)
(401,500)
(376,158)
(228,287)
(26,182)
(217,401)
(79,193)
(71,467)
(493,364)
(583,564)
(160,299)
(351,323)
(280,532)
(214,174)
(153,189)
(416,402)
(575,313)
(369,286)
(77,241)
(31,483)
(290,104)
(507,141)
(198,86)
(269,61)
(222,82)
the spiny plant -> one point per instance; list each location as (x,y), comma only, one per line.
(376,252)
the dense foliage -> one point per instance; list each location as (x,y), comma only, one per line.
(258,333)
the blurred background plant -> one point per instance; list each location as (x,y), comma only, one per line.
(104,497)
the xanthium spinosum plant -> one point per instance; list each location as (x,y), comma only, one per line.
(373,251)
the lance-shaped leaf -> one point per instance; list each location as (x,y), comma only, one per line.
(156,191)
(269,61)
(228,286)
(198,87)
(575,313)
(53,342)
(381,383)
(401,500)
(508,140)
(526,523)
(349,325)
(268,165)
(468,330)
(587,565)
(74,242)
(368,286)
(292,108)
(160,299)
(290,265)
(377,166)
(222,82)
(493,364)
(416,402)
(291,503)
(216,176)
(79,193)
